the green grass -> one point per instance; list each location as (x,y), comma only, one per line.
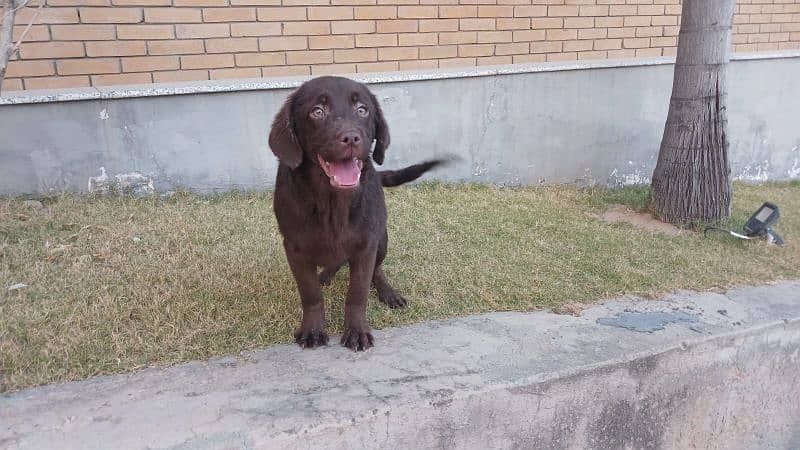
(117,285)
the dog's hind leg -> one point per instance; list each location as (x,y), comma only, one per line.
(386,292)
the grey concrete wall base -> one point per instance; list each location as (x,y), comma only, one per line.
(597,122)
(692,370)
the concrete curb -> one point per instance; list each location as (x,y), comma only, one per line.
(705,370)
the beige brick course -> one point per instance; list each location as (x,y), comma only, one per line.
(116,48)
(310,57)
(59,82)
(85,42)
(150,63)
(260,59)
(327,42)
(244,29)
(180,47)
(204,30)
(206,61)
(283,43)
(36,33)
(110,15)
(281,14)
(180,75)
(122,78)
(30,69)
(306,28)
(13,84)
(173,15)
(396,26)
(239,72)
(82,32)
(352,27)
(231,14)
(39,50)
(145,32)
(232,45)
(86,66)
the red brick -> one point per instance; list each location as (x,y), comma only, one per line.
(46,16)
(256,29)
(376,40)
(355,55)
(172,47)
(82,32)
(202,30)
(283,43)
(57,82)
(40,50)
(206,61)
(398,26)
(87,66)
(180,75)
(229,14)
(150,63)
(173,15)
(222,74)
(36,33)
(116,48)
(281,14)
(110,15)
(261,59)
(327,42)
(232,45)
(310,57)
(330,13)
(145,32)
(122,78)
(29,69)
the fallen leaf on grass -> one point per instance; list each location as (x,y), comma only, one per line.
(16,287)
(58,250)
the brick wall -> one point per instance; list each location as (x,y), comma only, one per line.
(77,43)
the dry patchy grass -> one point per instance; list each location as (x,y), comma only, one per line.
(120,284)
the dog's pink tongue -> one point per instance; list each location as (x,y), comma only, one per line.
(345,173)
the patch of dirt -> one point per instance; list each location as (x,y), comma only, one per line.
(644,221)
(569,309)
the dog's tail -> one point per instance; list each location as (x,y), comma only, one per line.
(391,178)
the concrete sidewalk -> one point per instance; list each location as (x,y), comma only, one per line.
(692,370)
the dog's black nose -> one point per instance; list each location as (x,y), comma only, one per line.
(350,138)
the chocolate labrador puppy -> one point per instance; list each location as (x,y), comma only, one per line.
(329,200)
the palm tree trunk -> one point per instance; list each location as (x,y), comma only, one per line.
(692,180)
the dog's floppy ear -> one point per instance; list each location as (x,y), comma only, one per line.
(382,138)
(282,138)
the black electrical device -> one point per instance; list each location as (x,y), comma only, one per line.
(759,225)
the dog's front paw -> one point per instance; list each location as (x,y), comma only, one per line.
(311,338)
(357,339)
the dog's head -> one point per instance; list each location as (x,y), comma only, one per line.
(330,122)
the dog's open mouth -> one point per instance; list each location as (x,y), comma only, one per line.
(343,174)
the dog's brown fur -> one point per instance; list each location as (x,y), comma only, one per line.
(327,226)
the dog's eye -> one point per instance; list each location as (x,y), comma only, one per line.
(362,111)
(317,113)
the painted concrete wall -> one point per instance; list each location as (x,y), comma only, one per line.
(585,123)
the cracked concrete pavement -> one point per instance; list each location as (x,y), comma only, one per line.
(710,370)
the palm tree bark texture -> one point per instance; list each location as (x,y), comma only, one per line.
(692,179)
